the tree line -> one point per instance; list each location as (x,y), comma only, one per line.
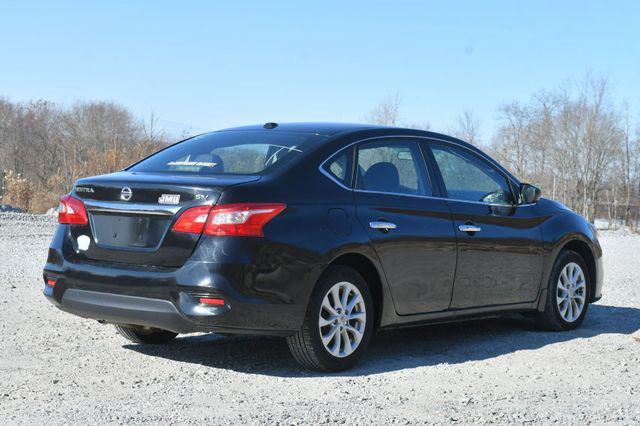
(45,147)
(575,142)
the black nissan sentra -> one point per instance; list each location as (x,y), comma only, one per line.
(320,233)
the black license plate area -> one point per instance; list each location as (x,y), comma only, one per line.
(128,231)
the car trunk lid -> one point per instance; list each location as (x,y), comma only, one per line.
(131,215)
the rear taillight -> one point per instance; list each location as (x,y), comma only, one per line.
(241,219)
(246,219)
(71,211)
(192,220)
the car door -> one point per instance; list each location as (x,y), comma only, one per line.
(499,243)
(410,229)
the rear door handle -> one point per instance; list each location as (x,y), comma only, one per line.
(383,226)
(469,228)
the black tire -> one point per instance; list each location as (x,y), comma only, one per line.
(306,345)
(551,319)
(154,336)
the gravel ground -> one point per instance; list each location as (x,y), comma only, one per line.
(57,368)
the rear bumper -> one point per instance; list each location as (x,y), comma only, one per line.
(120,309)
(258,300)
(141,311)
(180,314)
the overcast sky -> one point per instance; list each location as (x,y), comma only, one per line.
(206,65)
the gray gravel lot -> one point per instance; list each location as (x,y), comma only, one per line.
(58,368)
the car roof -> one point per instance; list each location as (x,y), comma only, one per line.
(332,129)
(324,129)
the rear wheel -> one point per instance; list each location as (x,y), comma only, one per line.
(338,324)
(150,335)
(567,293)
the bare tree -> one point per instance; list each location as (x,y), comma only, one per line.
(568,141)
(467,128)
(45,147)
(512,139)
(628,168)
(386,112)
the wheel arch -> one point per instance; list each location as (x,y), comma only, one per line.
(583,249)
(365,267)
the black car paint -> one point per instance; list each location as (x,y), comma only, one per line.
(267,281)
(501,264)
(423,245)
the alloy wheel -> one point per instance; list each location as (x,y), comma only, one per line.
(342,319)
(571,292)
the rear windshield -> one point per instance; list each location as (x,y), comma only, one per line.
(233,152)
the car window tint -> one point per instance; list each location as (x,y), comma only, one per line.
(467,177)
(230,152)
(392,166)
(339,167)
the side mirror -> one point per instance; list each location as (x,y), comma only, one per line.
(529,194)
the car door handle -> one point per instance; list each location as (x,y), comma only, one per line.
(469,228)
(383,226)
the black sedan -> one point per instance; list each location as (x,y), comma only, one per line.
(320,233)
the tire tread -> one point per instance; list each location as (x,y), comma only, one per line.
(548,319)
(132,334)
(300,344)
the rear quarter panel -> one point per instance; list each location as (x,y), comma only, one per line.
(318,226)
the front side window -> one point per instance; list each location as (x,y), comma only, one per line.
(392,166)
(231,152)
(467,177)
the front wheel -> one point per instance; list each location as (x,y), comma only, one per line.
(150,335)
(338,323)
(567,293)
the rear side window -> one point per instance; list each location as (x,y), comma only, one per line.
(392,166)
(467,177)
(233,152)
(339,167)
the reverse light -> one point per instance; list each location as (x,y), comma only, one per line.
(244,219)
(71,211)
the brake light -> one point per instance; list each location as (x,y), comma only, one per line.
(245,219)
(71,211)
(192,220)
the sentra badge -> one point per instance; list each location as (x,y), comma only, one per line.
(84,189)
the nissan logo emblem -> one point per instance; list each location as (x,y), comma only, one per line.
(126,193)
